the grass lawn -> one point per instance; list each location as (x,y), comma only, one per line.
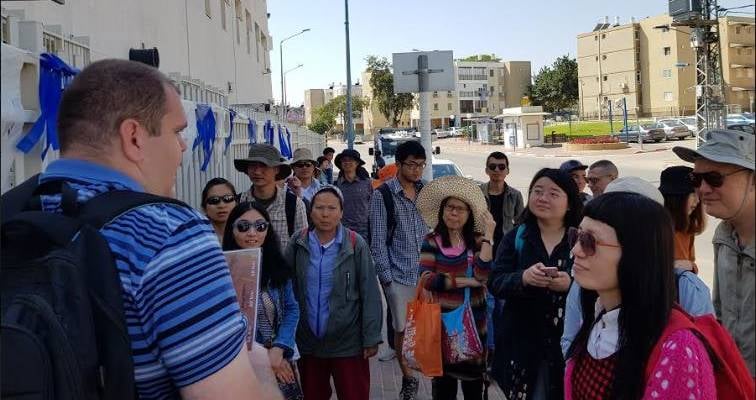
(584,128)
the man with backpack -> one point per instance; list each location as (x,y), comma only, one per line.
(264,165)
(396,233)
(111,289)
(724,178)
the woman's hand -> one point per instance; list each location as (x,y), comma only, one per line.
(561,283)
(368,352)
(281,367)
(535,276)
(489,226)
(468,282)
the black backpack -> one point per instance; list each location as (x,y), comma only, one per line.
(388,204)
(63,333)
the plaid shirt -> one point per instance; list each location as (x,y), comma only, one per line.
(400,261)
(277,211)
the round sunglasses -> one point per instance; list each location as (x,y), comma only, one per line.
(243,225)
(714,179)
(587,240)
(215,200)
(500,167)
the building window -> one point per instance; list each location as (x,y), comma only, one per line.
(207,8)
(605,78)
(595,37)
(435,106)
(667,51)
(668,96)
(223,13)
(748,52)
(638,76)
(637,35)
(449,106)
(603,56)
(737,30)
(596,58)
(449,94)
(491,73)
(667,73)
(665,29)
(435,94)
(603,36)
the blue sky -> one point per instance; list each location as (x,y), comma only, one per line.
(530,30)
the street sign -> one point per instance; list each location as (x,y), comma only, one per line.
(440,71)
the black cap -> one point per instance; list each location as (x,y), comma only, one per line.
(572,165)
(676,181)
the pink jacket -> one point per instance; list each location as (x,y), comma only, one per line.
(683,372)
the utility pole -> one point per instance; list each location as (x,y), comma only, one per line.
(349,128)
(281,111)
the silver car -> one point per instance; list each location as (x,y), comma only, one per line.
(650,132)
(674,129)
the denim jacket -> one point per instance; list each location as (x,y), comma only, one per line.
(287,327)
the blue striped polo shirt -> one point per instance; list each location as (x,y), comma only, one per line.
(180,305)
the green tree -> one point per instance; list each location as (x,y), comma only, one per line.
(391,105)
(555,87)
(323,120)
(337,106)
(482,57)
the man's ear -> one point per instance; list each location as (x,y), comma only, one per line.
(132,138)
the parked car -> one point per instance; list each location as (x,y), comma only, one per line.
(748,128)
(650,132)
(690,123)
(739,119)
(445,168)
(674,129)
(441,133)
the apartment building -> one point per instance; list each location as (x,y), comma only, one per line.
(652,66)
(216,50)
(313,99)
(484,88)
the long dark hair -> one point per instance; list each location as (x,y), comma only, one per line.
(646,283)
(567,184)
(275,270)
(677,205)
(215,182)
(468,230)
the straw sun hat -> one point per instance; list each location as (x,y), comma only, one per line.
(430,198)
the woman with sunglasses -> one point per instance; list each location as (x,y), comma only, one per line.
(336,285)
(218,198)
(623,256)
(249,227)
(531,272)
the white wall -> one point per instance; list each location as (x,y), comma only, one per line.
(204,51)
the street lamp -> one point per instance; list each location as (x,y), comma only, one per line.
(349,131)
(283,91)
(280,51)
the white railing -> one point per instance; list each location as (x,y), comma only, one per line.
(73,52)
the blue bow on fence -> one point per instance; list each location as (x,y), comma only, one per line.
(205,132)
(288,140)
(285,151)
(252,131)
(231,115)
(269,132)
(55,75)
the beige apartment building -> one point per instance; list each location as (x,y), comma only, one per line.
(313,99)
(653,67)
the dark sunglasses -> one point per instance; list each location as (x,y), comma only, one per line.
(243,225)
(215,200)
(587,241)
(500,167)
(302,165)
(713,178)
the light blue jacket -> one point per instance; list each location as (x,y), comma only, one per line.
(694,298)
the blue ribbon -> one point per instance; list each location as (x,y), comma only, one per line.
(252,131)
(231,115)
(205,132)
(282,143)
(269,132)
(288,142)
(55,75)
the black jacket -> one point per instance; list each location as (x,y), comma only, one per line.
(529,328)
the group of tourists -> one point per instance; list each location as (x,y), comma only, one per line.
(565,294)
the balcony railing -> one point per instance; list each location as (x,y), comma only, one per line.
(75,53)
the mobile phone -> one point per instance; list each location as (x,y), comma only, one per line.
(551,271)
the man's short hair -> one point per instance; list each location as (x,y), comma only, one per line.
(106,93)
(328,150)
(607,165)
(497,155)
(410,148)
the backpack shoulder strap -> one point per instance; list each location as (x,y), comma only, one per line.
(353,238)
(16,199)
(104,207)
(678,319)
(291,210)
(519,241)
(388,203)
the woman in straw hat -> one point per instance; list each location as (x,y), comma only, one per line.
(532,274)
(460,241)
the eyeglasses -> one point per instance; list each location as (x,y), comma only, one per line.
(215,200)
(553,195)
(243,225)
(452,208)
(587,241)
(500,167)
(713,178)
(302,165)
(412,165)
(595,179)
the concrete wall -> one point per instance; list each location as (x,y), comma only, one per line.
(191,40)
